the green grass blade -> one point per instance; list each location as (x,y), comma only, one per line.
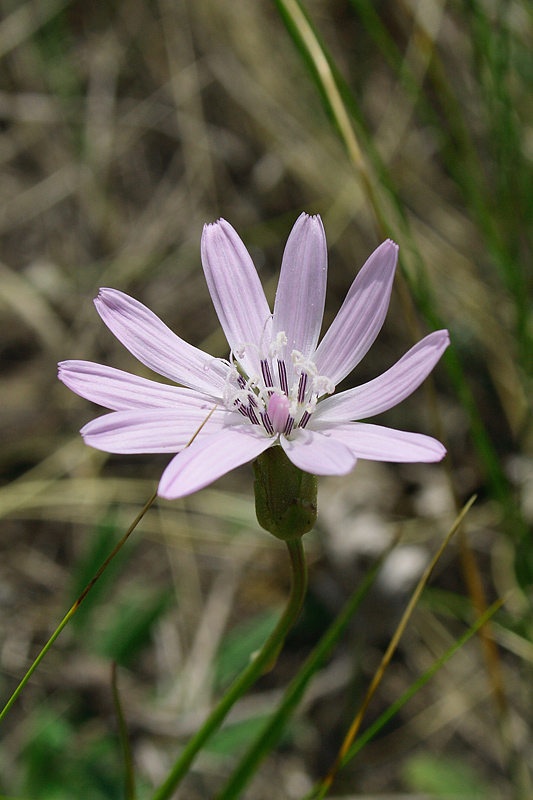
(339,99)
(276,725)
(261,662)
(129,776)
(387,715)
(320,791)
(68,616)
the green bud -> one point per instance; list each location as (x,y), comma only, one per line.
(285,496)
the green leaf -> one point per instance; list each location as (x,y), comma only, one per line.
(131,626)
(58,763)
(445,777)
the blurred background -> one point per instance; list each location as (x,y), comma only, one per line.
(124,127)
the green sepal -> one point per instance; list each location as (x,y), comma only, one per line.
(285,496)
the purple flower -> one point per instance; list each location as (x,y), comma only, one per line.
(275,388)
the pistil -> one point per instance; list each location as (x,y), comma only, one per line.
(278,411)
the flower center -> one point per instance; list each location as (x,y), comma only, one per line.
(283,396)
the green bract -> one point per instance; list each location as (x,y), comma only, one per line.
(285,496)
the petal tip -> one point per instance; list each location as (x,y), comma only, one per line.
(441,339)
(390,244)
(216,234)
(311,221)
(105,296)
(165,493)
(62,370)
(435,453)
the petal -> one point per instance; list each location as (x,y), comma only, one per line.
(301,292)
(154,430)
(236,291)
(388,389)
(360,317)
(156,346)
(210,458)
(318,454)
(377,443)
(119,391)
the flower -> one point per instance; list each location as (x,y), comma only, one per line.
(276,387)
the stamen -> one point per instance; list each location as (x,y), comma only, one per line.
(265,399)
(282,370)
(289,426)
(253,416)
(302,387)
(306,416)
(267,422)
(267,375)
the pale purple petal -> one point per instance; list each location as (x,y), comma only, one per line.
(377,443)
(210,458)
(299,305)
(361,316)
(318,454)
(155,430)
(156,346)
(236,292)
(388,389)
(119,391)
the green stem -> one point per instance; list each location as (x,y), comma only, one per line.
(262,662)
(74,608)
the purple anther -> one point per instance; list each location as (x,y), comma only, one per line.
(306,416)
(302,385)
(266,422)
(252,415)
(289,425)
(282,369)
(267,375)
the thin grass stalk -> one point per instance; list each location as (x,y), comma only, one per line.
(66,619)
(319,791)
(276,725)
(262,662)
(459,152)
(376,680)
(327,78)
(475,188)
(301,28)
(497,219)
(129,775)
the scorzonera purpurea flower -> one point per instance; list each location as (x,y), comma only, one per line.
(277,386)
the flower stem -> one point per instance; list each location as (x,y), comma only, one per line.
(262,662)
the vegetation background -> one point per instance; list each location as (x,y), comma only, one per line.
(124,127)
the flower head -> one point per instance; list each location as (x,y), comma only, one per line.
(276,387)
